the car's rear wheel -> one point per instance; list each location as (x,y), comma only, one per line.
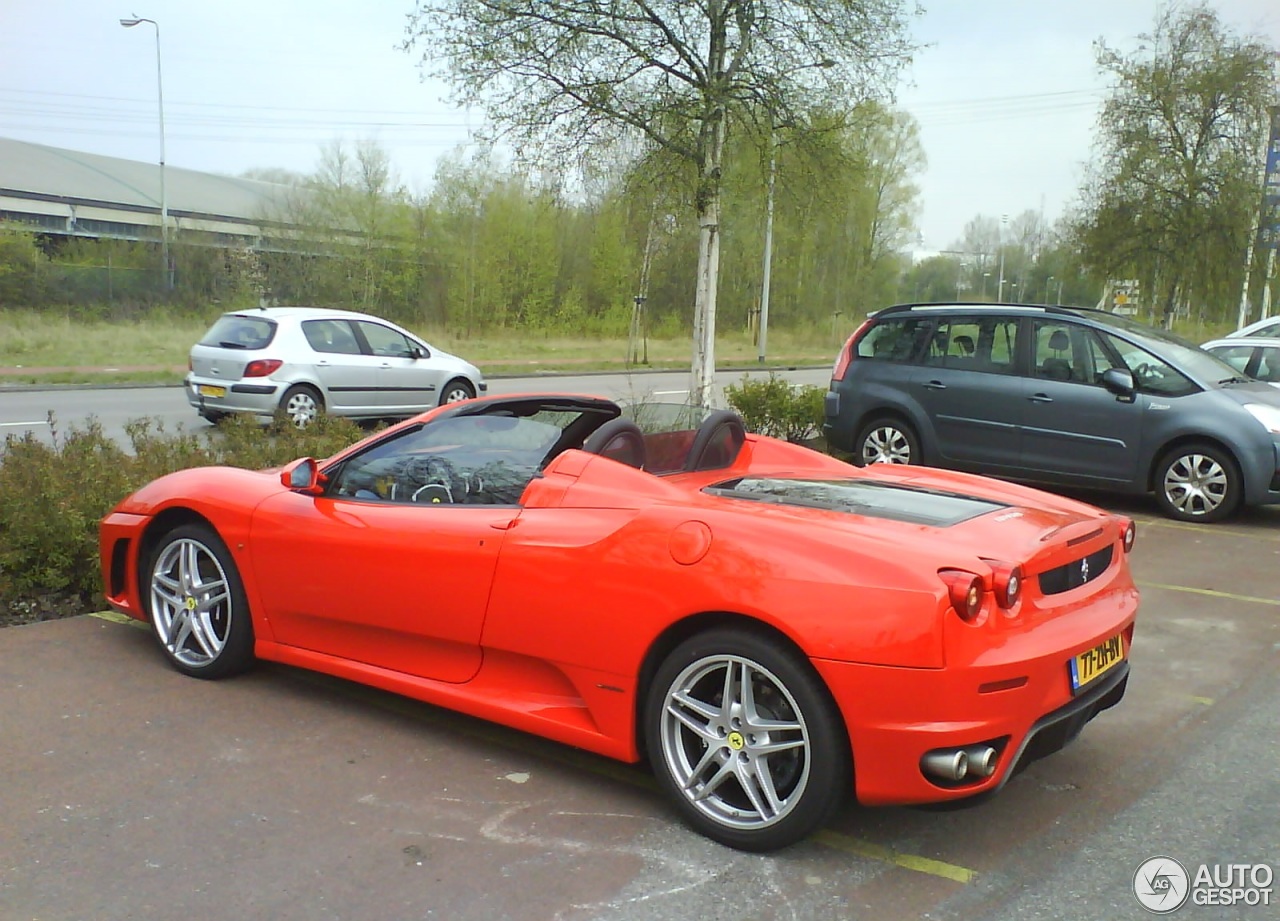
(302,405)
(456,391)
(197,604)
(745,739)
(886,441)
(1198,482)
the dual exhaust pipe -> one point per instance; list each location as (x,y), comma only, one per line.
(954,765)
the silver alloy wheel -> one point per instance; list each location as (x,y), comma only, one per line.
(886,444)
(302,408)
(191,602)
(1196,484)
(456,393)
(735,742)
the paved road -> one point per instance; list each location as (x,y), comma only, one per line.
(133,792)
(28,410)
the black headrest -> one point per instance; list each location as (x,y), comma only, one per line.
(1059,341)
(618,439)
(717,442)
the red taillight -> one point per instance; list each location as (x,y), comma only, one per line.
(262,367)
(845,356)
(1007,583)
(964,590)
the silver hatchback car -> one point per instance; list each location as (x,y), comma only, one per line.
(311,360)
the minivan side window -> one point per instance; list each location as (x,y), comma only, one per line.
(894,339)
(974,344)
(1150,373)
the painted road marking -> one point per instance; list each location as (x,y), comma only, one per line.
(1217,529)
(41,422)
(1229,596)
(596,764)
(668,393)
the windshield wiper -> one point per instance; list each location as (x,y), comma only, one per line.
(232,345)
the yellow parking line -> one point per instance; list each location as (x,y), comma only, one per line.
(532,745)
(1204,528)
(1211,593)
(117,618)
(1205,701)
(888,855)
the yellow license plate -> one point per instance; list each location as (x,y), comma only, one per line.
(1093,662)
(208,391)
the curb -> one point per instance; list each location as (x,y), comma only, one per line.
(140,385)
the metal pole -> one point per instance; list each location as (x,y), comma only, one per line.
(1004,219)
(164,198)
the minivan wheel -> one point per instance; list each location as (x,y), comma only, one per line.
(1198,482)
(886,441)
(456,391)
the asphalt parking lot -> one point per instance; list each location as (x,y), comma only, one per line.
(130,791)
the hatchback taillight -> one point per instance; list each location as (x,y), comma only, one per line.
(262,367)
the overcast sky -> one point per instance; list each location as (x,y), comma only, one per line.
(1006,92)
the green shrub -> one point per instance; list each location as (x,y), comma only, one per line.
(778,408)
(53,496)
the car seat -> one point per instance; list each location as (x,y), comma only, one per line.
(1056,367)
(717,442)
(620,440)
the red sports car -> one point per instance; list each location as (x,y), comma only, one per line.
(753,617)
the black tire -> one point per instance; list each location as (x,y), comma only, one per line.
(808,780)
(191,573)
(456,391)
(302,404)
(212,417)
(886,440)
(1198,482)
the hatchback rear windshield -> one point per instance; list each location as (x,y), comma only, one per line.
(235,331)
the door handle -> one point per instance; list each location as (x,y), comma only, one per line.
(503,525)
(1040,398)
(935,385)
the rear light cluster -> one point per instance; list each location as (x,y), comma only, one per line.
(966,589)
(1130,534)
(845,356)
(262,367)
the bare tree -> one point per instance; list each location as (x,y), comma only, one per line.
(557,77)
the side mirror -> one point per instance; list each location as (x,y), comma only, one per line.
(419,352)
(303,476)
(1120,382)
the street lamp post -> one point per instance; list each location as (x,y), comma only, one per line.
(985,276)
(1047,287)
(1004,219)
(164,200)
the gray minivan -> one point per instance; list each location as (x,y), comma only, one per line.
(1064,395)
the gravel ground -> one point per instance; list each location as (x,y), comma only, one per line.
(53,606)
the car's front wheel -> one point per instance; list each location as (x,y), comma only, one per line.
(745,739)
(886,441)
(197,604)
(1198,482)
(456,391)
(302,405)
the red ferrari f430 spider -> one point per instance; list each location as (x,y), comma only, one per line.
(755,618)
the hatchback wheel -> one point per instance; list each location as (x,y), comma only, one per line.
(302,404)
(887,441)
(198,606)
(1198,482)
(456,391)
(745,739)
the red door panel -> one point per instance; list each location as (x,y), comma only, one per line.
(402,587)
